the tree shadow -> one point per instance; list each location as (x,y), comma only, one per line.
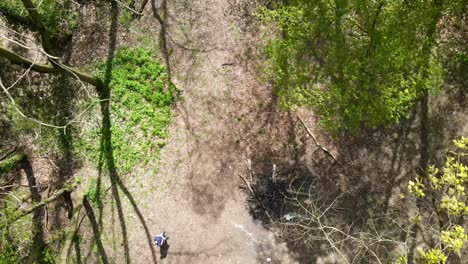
(38,247)
(186,256)
(77,247)
(107,161)
(96,234)
(161,18)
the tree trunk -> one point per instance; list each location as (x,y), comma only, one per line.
(9,164)
(60,68)
(19,214)
(74,226)
(48,48)
(37,22)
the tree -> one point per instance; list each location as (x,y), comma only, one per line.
(22,217)
(442,213)
(47,49)
(356,62)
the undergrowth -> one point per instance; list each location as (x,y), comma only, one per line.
(57,16)
(95,194)
(16,238)
(126,18)
(141,96)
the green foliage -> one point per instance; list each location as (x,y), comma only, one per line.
(354,62)
(141,96)
(432,256)
(400,260)
(10,163)
(95,194)
(461,143)
(446,189)
(50,257)
(56,15)
(127,16)
(9,252)
(416,188)
(12,11)
(16,238)
(454,238)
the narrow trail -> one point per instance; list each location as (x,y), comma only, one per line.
(195,197)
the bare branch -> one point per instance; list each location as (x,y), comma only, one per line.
(15,106)
(252,191)
(19,214)
(129,8)
(316,141)
(18,59)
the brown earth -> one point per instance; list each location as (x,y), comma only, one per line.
(196,197)
(224,118)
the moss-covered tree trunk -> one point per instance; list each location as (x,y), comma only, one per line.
(10,163)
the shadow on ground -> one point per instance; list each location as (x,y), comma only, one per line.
(376,167)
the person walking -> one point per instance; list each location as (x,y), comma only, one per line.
(160,239)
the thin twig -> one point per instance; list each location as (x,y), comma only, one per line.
(249,166)
(25,72)
(16,185)
(13,102)
(129,8)
(256,197)
(316,141)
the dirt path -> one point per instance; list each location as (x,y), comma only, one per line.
(196,197)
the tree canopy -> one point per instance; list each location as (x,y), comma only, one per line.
(356,62)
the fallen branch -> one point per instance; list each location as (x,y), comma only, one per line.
(20,214)
(256,197)
(74,226)
(316,141)
(20,60)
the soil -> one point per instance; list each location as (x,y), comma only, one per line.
(226,125)
(196,197)
(203,210)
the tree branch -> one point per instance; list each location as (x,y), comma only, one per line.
(73,229)
(37,22)
(316,141)
(60,68)
(20,214)
(252,191)
(20,60)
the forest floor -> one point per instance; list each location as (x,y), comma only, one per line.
(196,196)
(202,208)
(227,130)
(226,125)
